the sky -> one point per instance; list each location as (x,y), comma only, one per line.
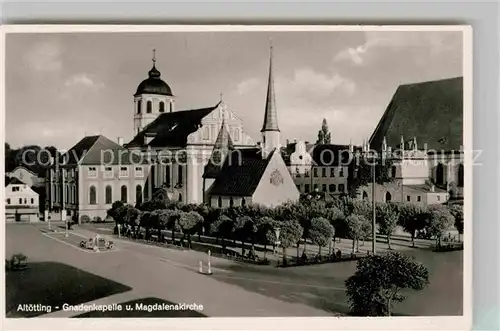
(61,87)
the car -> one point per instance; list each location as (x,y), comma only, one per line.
(17,262)
(96,244)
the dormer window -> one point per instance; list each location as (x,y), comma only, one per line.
(92,172)
(123,172)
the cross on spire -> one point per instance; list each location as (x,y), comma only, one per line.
(154,56)
(221,96)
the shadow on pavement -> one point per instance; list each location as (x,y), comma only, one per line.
(53,284)
(146,307)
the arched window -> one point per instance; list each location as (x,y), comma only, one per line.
(138,194)
(92,195)
(440,174)
(231,202)
(124,194)
(167,175)
(180,197)
(460,178)
(109,195)
(219,202)
(388,197)
(162,106)
(139,106)
(365,195)
(149,107)
(179,174)
(393,171)
(243,202)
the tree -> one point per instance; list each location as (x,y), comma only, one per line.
(458,213)
(223,227)
(145,222)
(172,215)
(324,135)
(440,221)
(412,218)
(159,219)
(113,211)
(188,222)
(321,232)
(379,280)
(265,232)
(245,227)
(387,219)
(356,225)
(290,233)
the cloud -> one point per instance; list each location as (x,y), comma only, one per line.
(247,86)
(355,55)
(313,85)
(44,57)
(82,79)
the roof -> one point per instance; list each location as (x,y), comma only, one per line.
(331,155)
(432,112)
(223,145)
(24,167)
(424,188)
(289,149)
(99,150)
(241,173)
(153,84)
(13,181)
(271,114)
(171,129)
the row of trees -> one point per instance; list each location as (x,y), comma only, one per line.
(299,223)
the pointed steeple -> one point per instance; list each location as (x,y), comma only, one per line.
(223,145)
(271,115)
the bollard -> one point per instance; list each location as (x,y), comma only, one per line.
(200,269)
(209,265)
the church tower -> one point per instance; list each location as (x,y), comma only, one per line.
(270,131)
(152,98)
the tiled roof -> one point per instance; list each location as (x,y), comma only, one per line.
(330,155)
(99,150)
(432,112)
(241,173)
(12,180)
(171,129)
(425,188)
(223,145)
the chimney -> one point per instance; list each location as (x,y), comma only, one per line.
(120,141)
(433,188)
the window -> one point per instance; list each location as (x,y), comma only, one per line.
(8,201)
(92,172)
(167,175)
(138,194)
(243,202)
(123,172)
(393,171)
(206,133)
(32,201)
(20,201)
(162,107)
(231,202)
(219,202)
(306,188)
(180,197)
(15,189)
(333,187)
(408,198)
(109,195)
(297,172)
(315,172)
(341,188)
(323,187)
(440,174)
(323,172)
(439,198)
(139,106)
(179,174)
(146,190)
(460,179)
(419,198)
(149,107)
(138,172)
(123,192)
(341,173)
(92,195)
(108,172)
(315,187)
(388,197)
(171,107)
(332,172)
(66,197)
(306,173)
(25,201)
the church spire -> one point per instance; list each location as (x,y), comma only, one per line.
(271,115)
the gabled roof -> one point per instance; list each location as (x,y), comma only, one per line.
(432,112)
(424,188)
(331,155)
(99,150)
(223,145)
(171,129)
(13,181)
(23,167)
(241,173)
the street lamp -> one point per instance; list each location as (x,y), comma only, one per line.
(372,157)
